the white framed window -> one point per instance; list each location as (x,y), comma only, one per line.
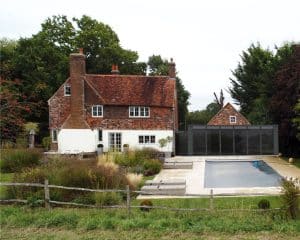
(232,119)
(97,111)
(54,135)
(139,112)
(100,135)
(67,90)
(146,139)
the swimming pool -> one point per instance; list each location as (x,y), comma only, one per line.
(232,174)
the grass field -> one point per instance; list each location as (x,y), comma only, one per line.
(76,223)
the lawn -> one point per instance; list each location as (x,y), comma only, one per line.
(79,223)
(4,177)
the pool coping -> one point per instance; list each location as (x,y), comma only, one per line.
(195,177)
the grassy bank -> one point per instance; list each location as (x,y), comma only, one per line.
(160,221)
(50,233)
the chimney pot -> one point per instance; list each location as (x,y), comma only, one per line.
(172,69)
(81,50)
(115,69)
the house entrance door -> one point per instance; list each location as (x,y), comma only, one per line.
(115,142)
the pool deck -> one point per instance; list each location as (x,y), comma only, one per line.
(195,177)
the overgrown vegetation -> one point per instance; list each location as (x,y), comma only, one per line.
(72,173)
(140,161)
(14,160)
(102,173)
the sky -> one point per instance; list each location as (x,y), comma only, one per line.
(204,37)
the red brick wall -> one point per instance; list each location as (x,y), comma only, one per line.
(114,117)
(59,108)
(222,117)
(117,117)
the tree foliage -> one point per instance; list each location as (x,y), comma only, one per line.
(265,85)
(296,120)
(202,117)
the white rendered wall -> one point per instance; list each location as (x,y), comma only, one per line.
(131,137)
(76,140)
(86,140)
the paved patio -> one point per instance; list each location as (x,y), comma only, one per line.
(195,177)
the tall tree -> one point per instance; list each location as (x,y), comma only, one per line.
(266,86)
(159,66)
(252,80)
(284,100)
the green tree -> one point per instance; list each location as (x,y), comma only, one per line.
(252,80)
(296,120)
(42,63)
(159,66)
(203,116)
(8,47)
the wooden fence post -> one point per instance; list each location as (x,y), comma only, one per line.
(211,200)
(47,194)
(128,199)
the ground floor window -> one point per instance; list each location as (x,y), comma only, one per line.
(100,135)
(115,142)
(146,139)
(54,135)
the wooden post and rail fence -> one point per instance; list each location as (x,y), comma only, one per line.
(48,202)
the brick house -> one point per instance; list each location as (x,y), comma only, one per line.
(88,110)
(228,115)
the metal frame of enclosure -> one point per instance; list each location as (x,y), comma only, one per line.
(228,140)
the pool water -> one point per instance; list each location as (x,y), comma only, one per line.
(228,174)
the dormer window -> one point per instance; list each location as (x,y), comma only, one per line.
(139,111)
(97,111)
(232,119)
(67,90)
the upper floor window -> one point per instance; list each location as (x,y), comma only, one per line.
(139,111)
(67,90)
(97,111)
(232,119)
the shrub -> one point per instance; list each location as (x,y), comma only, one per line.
(46,142)
(146,203)
(152,167)
(290,198)
(107,198)
(13,160)
(263,204)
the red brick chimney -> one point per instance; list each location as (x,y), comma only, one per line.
(115,69)
(172,69)
(77,75)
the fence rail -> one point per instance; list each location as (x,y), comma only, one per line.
(48,202)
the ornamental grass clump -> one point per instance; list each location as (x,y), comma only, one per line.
(290,198)
(70,173)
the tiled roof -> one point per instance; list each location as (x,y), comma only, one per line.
(134,90)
